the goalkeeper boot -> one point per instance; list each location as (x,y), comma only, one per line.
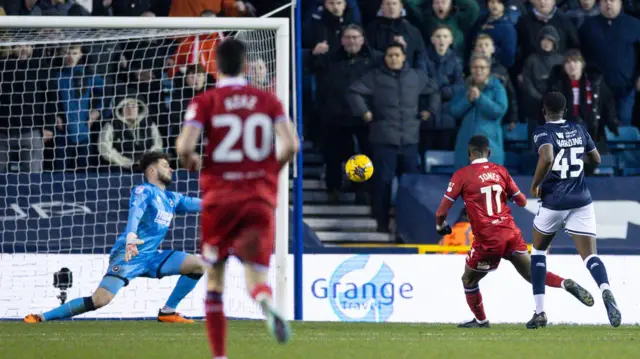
(276,324)
(537,321)
(173,318)
(577,291)
(615,317)
(33,318)
(475,324)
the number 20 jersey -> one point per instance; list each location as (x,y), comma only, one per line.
(564,186)
(240,161)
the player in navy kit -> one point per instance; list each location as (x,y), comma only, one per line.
(135,253)
(566,202)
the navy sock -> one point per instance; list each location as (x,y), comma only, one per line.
(598,271)
(538,277)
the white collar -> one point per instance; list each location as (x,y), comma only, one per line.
(232,81)
(558,122)
(479,160)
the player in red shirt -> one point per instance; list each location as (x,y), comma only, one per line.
(485,188)
(239,181)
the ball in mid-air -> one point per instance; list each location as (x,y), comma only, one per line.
(359,168)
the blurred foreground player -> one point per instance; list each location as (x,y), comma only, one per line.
(485,188)
(240,184)
(135,253)
(566,202)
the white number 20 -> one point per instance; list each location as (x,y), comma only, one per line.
(247,130)
(562,165)
(487,190)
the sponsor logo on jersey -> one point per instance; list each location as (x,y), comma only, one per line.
(560,135)
(535,138)
(163,218)
(171,203)
(450,188)
(362,288)
(139,189)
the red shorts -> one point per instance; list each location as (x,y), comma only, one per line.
(245,230)
(485,256)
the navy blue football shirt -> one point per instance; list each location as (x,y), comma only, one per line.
(564,186)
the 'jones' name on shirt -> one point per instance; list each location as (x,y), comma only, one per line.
(489,176)
(237,102)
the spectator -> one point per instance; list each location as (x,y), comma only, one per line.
(544,13)
(588,8)
(536,74)
(480,104)
(311,7)
(51,7)
(590,102)
(610,42)
(258,75)
(102,8)
(77,98)
(133,8)
(459,17)
(322,32)
(392,27)
(226,8)
(497,24)
(461,234)
(400,97)
(484,46)
(336,72)
(130,134)
(200,50)
(445,67)
(23,130)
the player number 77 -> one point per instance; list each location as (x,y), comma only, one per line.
(131,249)
(487,190)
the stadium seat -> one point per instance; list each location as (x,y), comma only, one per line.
(607,165)
(512,162)
(629,138)
(517,138)
(629,162)
(439,162)
(527,163)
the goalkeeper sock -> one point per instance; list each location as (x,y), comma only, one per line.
(553,280)
(474,300)
(598,271)
(70,309)
(538,277)
(185,285)
(216,324)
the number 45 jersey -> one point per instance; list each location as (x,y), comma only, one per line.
(564,186)
(239,162)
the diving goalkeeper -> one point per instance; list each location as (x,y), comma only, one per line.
(135,253)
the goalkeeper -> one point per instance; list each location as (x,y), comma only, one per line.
(135,253)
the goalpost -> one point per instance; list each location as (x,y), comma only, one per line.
(70,214)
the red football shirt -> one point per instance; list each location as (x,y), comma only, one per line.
(485,187)
(240,159)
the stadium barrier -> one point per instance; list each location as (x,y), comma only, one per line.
(374,288)
(616,204)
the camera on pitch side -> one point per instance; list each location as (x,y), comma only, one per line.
(63,280)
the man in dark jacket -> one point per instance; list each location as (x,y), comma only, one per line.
(392,27)
(326,25)
(394,99)
(610,42)
(335,73)
(22,115)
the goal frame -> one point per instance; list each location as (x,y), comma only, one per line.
(282,70)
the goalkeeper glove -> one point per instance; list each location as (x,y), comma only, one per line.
(443,229)
(131,249)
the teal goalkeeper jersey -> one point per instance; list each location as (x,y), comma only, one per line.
(151,211)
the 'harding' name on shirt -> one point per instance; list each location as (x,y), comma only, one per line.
(571,142)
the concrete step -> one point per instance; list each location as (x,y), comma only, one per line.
(312,158)
(339,210)
(310,184)
(323,197)
(312,172)
(354,237)
(342,223)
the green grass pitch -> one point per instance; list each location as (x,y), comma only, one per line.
(248,340)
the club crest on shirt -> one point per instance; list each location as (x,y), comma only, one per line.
(115,269)
(171,203)
(139,189)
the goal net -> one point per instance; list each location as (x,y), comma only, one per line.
(80,100)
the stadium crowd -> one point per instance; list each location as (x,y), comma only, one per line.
(392,79)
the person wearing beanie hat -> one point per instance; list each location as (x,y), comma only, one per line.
(498,24)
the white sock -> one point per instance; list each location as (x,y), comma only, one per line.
(482,321)
(604,286)
(168,310)
(539,298)
(220,358)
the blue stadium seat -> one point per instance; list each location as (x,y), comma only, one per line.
(528,162)
(629,162)
(439,162)
(512,162)
(517,138)
(629,138)
(607,165)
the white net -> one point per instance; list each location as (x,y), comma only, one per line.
(77,109)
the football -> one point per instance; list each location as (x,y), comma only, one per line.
(359,168)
